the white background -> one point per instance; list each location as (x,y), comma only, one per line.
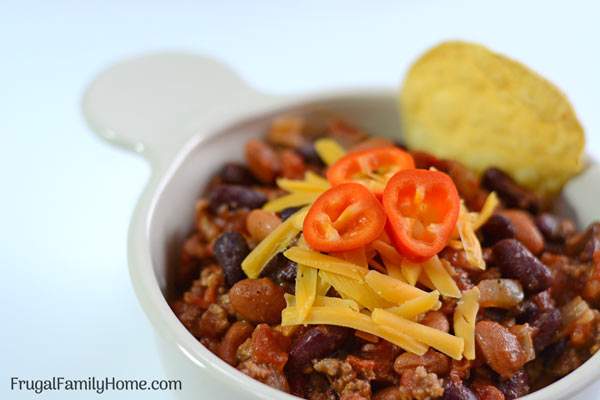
(66,303)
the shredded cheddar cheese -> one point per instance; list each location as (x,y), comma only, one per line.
(275,242)
(324,301)
(393,290)
(351,319)
(439,340)
(294,199)
(324,262)
(411,271)
(469,240)
(489,206)
(440,278)
(329,150)
(312,183)
(358,291)
(306,290)
(356,256)
(417,306)
(465,316)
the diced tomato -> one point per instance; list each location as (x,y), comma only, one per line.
(344,217)
(422,208)
(371,167)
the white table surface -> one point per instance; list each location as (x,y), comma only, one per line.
(66,302)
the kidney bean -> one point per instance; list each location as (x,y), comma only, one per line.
(258,300)
(515,261)
(262,160)
(282,271)
(501,349)
(288,212)
(236,174)
(234,197)
(547,324)
(317,342)
(230,249)
(456,390)
(554,228)
(496,228)
(555,350)
(533,305)
(432,361)
(513,195)
(235,336)
(585,244)
(525,230)
(260,223)
(309,154)
(515,387)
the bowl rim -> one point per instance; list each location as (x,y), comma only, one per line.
(164,320)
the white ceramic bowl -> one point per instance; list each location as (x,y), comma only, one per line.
(187,115)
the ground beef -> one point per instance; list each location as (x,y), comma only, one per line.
(344,379)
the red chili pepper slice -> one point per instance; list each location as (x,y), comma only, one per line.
(422,207)
(344,217)
(371,167)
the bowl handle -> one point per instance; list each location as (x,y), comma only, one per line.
(154,103)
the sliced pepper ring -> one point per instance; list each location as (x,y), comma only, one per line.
(344,217)
(422,207)
(371,167)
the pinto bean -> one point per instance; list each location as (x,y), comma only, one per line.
(287,131)
(501,349)
(258,300)
(496,228)
(262,160)
(525,230)
(456,390)
(235,336)
(292,165)
(260,223)
(432,361)
(230,249)
(317,342)
(436,320)
(513,195)
(235,197)
(515,261)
